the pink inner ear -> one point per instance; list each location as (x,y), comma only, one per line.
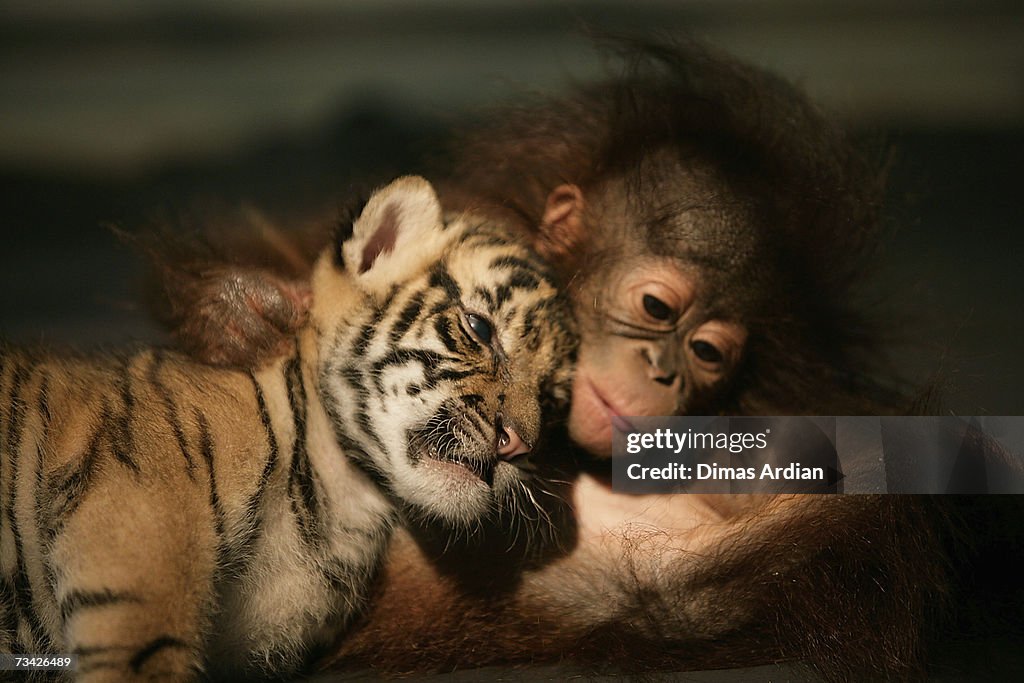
(382,240)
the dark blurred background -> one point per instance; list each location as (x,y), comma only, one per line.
(112,111)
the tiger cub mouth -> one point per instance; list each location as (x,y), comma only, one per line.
(457,460)
(455,451)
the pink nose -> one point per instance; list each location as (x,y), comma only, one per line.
(509,443)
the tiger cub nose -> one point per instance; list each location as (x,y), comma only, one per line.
(509,443)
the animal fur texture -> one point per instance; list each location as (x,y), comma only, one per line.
(680,155)
(162,518)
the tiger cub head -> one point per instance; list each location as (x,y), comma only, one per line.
(443,346)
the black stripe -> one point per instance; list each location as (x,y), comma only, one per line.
(171,413)
(406,317)
(476,403)
(111,658)
(443,327)
(365,336)
(69,484)
(43,405)
(42,528)
(354,378)
(122,439)
(441,278)
(362,418)
(427,358)
(362,341)
(255,503)
(443,375)
(522,279)
(513,263)
(22,585)
(268,429)
(355,452)
(6,414)
(525,268)
(486,296)
(440,307)
(206,448)
(502,294)
(388,299)
(147,651)
(301,478)
(534,338)
(15,418)
(5,406)
(77,600)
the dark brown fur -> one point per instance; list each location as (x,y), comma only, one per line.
(813,196)
(817,584)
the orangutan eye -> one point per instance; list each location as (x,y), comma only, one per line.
(706,352)
(656,308)
(481,327)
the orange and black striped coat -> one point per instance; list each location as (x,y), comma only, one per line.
(160,517)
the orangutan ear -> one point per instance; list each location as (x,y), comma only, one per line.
(561,229)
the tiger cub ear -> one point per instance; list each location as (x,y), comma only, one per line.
(398,234)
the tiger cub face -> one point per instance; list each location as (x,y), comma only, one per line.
(438,340)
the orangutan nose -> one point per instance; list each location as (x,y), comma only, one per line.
(509,443)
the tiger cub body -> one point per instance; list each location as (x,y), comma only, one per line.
(164,518)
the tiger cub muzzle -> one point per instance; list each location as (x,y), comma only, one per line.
(464,440)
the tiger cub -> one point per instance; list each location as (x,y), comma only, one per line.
(161,518)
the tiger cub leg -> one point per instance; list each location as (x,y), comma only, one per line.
(134,568)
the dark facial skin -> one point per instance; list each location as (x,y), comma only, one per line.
(655,338)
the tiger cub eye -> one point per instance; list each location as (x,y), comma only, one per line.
(481,327)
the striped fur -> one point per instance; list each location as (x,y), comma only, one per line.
(162,518)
